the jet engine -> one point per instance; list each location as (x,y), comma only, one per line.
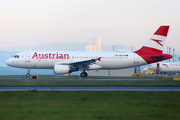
(61,69)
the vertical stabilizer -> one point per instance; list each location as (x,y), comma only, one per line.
(157,40)
(153,48)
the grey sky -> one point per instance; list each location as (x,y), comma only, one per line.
(128,22)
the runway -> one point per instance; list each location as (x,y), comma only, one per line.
(91,88)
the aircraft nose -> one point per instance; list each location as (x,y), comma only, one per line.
(8,62)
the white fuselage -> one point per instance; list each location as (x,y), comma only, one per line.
(168,67)
(47,59)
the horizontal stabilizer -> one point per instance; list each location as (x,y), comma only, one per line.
(158,56)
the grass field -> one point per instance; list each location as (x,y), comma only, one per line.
(83,105)
(53,80)
(86,105)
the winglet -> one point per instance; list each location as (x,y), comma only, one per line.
(99,59)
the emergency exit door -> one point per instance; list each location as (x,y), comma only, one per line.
(27,57)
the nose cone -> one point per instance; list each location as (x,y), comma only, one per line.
(9,62)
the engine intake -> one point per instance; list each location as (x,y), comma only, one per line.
(61,69)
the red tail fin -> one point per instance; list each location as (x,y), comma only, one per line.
(154,46)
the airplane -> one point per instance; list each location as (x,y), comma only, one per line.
(64,62)
(169,67)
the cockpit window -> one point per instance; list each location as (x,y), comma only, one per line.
(16,56)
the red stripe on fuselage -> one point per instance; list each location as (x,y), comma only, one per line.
(146,52)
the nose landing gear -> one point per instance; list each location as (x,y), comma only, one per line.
(28,72)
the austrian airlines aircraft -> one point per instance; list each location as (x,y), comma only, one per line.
(64,62)
(168,67)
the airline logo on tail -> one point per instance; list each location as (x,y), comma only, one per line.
(158,41)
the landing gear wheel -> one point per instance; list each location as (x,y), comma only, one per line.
(28,72)
(27,75)
(84,74)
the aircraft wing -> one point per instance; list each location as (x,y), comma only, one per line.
(83,63)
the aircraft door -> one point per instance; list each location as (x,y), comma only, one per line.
(27,57)
(136,58)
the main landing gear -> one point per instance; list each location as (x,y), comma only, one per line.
(84,74)
(28,72)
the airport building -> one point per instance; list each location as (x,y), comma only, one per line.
(89,48)
(96,45)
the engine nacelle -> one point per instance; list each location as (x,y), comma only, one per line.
(61,69)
